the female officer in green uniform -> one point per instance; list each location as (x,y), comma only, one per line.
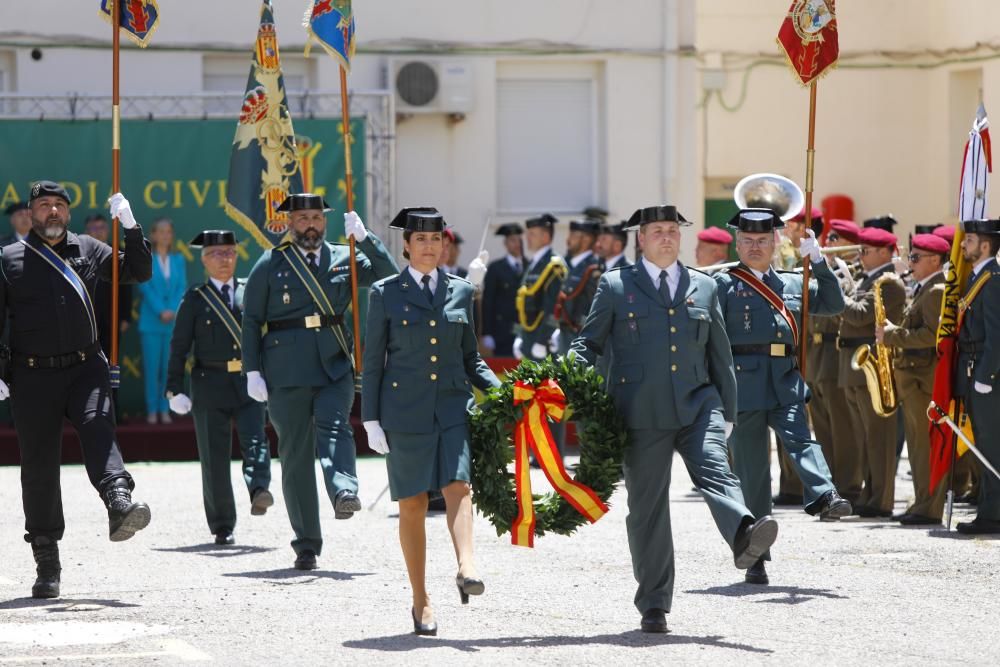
(420,364)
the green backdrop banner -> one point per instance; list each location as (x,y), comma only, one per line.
(169,168)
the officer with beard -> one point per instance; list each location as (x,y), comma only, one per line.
(302,365)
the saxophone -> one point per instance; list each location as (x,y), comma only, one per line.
(877,364)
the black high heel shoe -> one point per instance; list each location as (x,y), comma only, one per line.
(468,586)
(424,629)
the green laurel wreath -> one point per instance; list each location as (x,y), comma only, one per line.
(600,429)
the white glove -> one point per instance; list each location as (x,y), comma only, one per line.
(376,438)
(120,209)
(489,343)
(729,429)
(979,386)
(4,391)
(354,227)
(180,404)
(554,340)
(539,351)
(808,246)
(477,268)
(516,348)
(256,386)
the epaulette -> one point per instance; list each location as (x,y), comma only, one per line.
(704,273)
(452,276)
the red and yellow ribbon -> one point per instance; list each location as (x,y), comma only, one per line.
(532,431)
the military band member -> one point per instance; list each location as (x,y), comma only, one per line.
(540,286)
(915,338)
(763,311)
(208,324)
(979,363)
(58,370)
(421,363)
(672,379)
(503,277)
(877,434)
(611,245)
(713,246)
(302,366)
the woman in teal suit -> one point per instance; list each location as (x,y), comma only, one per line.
(161,296)
(420,364)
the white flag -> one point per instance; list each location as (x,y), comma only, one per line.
(975,170)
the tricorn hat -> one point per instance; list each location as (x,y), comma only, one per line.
(756,220)
(510,229)
(981,226)
(644,216)
(211,237)
(418,219)
(546,220)
(303,202)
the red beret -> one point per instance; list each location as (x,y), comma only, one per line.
(715,235)
(877,237)
(817,214)
(947,232)
(930,243)
(846,229)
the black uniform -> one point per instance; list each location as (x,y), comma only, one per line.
(57,369)
(499,310)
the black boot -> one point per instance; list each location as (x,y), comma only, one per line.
(125,518)
(46,552)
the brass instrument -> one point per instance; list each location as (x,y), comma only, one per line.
(770,191)
(877,364)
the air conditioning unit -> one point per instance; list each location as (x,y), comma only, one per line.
(429,85)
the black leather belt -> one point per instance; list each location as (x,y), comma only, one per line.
(310,322)
(60,360)
(852,343)
(818,338)
(231,366)
(970,346)
(926,352)
(767,349)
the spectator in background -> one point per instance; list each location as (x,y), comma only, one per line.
(20,223)
(449,253)
(161,296)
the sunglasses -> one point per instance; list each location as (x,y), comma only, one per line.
(832,236)
(915,257)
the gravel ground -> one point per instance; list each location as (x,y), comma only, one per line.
(860,591)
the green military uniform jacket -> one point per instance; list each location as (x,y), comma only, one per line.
(421,359)
(915,336)
(541,306)
(857,325)
(669,360)
(198,329)
(305,357)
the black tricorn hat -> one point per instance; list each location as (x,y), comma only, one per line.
(886,222)
(211,237)
(756,220)
(303,202)
(46,189)
(15,207)
(981,226)
(418,219)
(925,229)
(510,229)
(546,220)
(595,212)
(644,216)
(587,226)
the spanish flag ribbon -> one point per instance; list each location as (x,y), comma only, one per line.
(532,431)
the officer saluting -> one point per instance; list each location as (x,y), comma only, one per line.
(536,298)
(503,277)
(672,378)
(58,370)
(763,315)
(209,320)
(303,364)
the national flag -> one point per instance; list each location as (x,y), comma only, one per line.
(977,164)
(139,18)
(264,166)
(808,36)
(331,23)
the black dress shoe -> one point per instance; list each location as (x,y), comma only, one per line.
(305,560)
(225,536)
(969,498)
(978,527)
(787,500)
(909,519)
(756,574)
(423,629)
(260,500)
(125,518)
(654,620)
(435,502)
(46,552)
(872,512)
(753,541)
(830,507)
(345,504)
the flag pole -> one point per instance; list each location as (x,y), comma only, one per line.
(349,183)
(806,262)
(115,187)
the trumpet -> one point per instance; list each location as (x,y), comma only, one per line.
(824,251)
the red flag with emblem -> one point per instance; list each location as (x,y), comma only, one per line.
(808,36)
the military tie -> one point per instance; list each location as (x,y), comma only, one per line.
(426,280)
(227,297)
(664,287)
(313,262)
(916,290)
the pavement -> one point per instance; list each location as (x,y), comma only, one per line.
(858,591)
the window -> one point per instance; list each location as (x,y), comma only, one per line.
(547,144)
(228,74)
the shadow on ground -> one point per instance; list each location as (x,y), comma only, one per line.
(217,550)
(291,576)
(65,604)
(786,594)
